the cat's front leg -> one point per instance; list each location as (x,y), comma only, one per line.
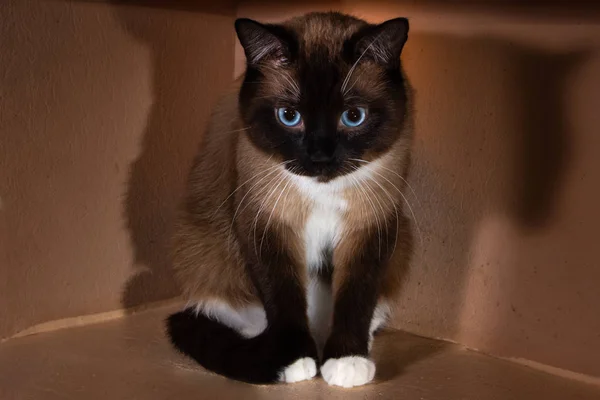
(278,278)
(356,285)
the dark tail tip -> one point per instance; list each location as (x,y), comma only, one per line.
(221,349)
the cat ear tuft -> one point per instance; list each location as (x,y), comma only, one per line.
(261,41)
(384,42)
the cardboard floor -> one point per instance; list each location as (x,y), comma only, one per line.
(130,359)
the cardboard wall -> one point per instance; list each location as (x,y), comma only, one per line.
(102,107)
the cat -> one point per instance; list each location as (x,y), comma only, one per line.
(292,238)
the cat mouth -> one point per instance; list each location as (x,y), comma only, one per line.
(321,173)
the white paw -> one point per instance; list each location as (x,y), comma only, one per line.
(348,371)
(301,370)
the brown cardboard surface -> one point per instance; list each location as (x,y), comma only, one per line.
(102,108)
(131,359)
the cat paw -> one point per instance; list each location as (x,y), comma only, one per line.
(348,371)
(301,370)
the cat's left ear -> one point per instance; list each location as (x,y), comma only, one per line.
(384,42)
(262,42)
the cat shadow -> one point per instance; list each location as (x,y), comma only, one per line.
(394,352)
(504,152)
(544,151)
(182,102)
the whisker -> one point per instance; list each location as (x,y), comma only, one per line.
(293,86)
(240,186)
(270,171)
(359,186)
(235,130)
(263,203)
(247,195)
(351,87)
(349,74)
(280,98)
(395,173)
(271,214)
(414,217)
(354,185)
(393,203)
(284,206)
(376,197)
(346,170)
(260,196)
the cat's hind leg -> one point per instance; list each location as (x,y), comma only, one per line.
(249,321)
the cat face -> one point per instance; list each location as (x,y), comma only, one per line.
(323,93)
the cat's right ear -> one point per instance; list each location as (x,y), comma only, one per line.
(382,43)
(263,42)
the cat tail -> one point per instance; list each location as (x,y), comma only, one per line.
(223,350)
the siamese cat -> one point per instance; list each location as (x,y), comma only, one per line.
(292,237)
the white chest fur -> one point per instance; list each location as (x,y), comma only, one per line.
(323,229)
(324,225)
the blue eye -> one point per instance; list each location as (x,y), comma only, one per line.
(353,117)
(288,116)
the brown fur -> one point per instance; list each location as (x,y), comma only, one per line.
(206,254)
(236,194)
